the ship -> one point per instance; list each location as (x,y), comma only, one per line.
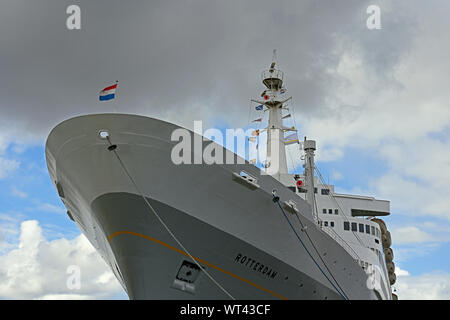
(222,230)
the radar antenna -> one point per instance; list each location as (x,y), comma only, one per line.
(274,59)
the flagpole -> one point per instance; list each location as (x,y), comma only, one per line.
(117,88)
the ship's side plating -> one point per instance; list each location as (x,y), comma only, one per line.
(236,232)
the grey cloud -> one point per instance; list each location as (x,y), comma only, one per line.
(170,56)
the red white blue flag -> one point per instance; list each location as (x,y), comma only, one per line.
(108,93)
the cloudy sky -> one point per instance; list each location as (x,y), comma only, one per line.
(376,101)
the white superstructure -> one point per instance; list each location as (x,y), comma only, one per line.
(349,219)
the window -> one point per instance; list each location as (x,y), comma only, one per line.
(292,188)
(377,233)
(361,227)
(315,190)
(336,211)
(372,228)
(367,229)
(332,223)
(354,226)
(325,191)
(324,211)
(325,223)
(330,211)
(346,225)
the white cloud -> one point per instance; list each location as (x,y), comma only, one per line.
(17,135)
(37,268)
(48,207)
(418,178)
(336,175)
(429,286)
(18,193)
(410,234)
(405,253)
(372,102)
(400,272)
(7,166)
(419,239)
(401,116)
(9,225)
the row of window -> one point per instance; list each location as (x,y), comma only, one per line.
(362,228)
(303,190)
(330,211)
(325,223)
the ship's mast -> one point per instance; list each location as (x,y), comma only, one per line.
(310,146)
(272,78)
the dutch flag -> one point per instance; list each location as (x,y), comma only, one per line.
(108,93)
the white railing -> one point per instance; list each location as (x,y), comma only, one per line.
(278,74)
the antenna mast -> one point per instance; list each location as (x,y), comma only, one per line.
(276,163)
(310,146)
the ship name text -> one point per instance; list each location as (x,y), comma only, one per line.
(255,265)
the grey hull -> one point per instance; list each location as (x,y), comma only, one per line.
(214,217)
(149,258)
